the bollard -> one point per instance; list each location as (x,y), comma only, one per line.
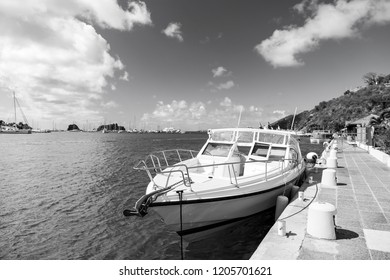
(301,195)
(329,178)
(320,220)
(331,162)
(281,204)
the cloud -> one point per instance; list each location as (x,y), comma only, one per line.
(109,104)
(279,113)
(334,21)
(219,71)
(125,76)
(55,59)
(173,31)
(226,85)
(190,116)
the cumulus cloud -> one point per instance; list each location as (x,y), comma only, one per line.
(125,76)
(279,113)
(325,21)
(226,85)
(54,57)
(181,114)
(173,31)
(219,71)
(176,110)
(110,104)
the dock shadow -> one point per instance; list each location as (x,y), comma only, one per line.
(345,234)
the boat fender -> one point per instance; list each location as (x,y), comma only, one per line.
(281,204)
(294,191)
(311,157)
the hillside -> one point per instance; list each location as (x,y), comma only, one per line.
(373,98)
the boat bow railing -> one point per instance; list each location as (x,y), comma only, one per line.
(167,162)
(159,163)
(142,204)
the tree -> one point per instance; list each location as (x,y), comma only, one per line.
(382,121)
(381,127)
(370,78)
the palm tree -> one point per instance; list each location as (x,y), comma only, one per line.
(381,121)
(381,125)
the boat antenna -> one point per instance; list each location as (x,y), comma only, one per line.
(292,124)
(239,118)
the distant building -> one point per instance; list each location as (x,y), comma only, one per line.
(362,122)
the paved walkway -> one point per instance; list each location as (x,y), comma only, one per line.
(362,199)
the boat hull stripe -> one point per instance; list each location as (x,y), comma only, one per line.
(206,200)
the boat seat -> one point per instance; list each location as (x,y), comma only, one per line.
(257,168)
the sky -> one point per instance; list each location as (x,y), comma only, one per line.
(181,63)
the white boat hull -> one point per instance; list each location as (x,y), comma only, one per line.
(201,214)
(238,173)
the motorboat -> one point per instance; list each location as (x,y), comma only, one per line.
(320,136)
(238,172)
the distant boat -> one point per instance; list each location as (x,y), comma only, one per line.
(5,129)
(15,128)
(320,136)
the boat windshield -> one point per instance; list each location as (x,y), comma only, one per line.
(294,144)
(245,137)
(217,149)
(271,138)
(222,135)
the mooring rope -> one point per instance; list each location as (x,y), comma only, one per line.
(315,195)
(180,193)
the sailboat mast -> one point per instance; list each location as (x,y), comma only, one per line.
(14,106)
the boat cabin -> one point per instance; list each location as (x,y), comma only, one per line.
(238,146)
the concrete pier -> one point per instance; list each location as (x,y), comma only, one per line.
(362,199)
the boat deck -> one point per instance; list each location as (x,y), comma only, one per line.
(362,199)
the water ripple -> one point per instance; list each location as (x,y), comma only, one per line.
(62,197)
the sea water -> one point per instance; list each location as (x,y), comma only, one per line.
(62,196)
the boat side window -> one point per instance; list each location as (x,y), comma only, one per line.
(244,149)
(217,149)
(277,153)
(293,156)
(260,150)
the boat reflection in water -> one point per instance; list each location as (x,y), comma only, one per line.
(239,172)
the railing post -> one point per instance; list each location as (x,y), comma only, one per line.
(235,177)
(154,165)
(178,154)
(166,161)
